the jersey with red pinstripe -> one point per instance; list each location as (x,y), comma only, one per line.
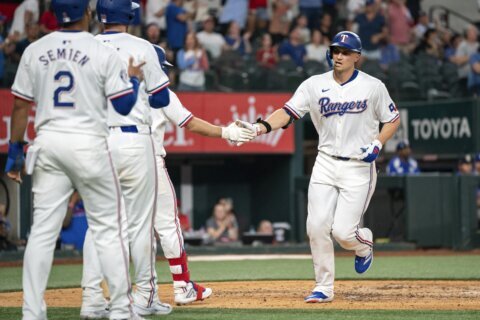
(346,117)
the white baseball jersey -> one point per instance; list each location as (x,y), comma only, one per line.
(155,79)
(50,72)
(346,116)
(176,113)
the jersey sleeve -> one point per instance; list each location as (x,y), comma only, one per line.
(385,108)
(23,85)
(117,81)
(155,78)
(176,112)
(299,104)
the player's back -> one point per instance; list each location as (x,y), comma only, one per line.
(68,75)
(128,46)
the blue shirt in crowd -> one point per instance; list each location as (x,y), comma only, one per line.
(367,28)
(398,166)
(296,53)
(474,77)
(176,29)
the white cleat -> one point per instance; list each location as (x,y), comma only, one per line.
(157,308)
(190,293)
(87,314)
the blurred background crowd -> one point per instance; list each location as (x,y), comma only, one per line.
(272,45)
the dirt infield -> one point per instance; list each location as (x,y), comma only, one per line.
(367,294)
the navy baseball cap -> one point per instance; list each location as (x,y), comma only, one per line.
(402,145)
(369,2)
(67,11)
(466,159)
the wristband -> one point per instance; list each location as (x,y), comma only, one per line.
(265,123)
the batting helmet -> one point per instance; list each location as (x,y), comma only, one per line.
(348,40)
(67,11)
(116,11)
(162,57)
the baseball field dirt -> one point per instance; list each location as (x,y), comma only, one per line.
(363,294)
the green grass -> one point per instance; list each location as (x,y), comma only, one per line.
(412,267)
(270,314)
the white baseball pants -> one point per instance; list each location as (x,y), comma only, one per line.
(338,195)
(65,162)
(133,156)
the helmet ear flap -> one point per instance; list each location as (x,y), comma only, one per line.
(328,55)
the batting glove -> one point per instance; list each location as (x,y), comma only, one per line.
(237,134)
(371,151)
(253,127)
(15,159)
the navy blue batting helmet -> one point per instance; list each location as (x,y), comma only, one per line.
(116,11)
(67,11)
(348,40)
(162,57)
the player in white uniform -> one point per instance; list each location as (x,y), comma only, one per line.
(68,75)
(346,107)
(167,223)
(132,151)
(134,158)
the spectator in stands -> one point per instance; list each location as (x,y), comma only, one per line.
(48,22)
(177,18)
(353,8)
(267,56)
(477,164)
(372,30)
(430,45)
(192,61)
(155,13)
(234,10)
(450,44)
(265,227)
(302,24)
(27,12)
(389,53)
(465,165)
(212,41)
(316,50)
(326,27)
(293,48)
(422,26)
(474,74)
(204,9)
(222,226)
(257,16)
(33,32)
(280,19)
(465,50)
(400,24)
(152,33)
(75,223)
(236,42)
(403,162)
(312,10)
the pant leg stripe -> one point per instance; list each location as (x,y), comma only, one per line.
(153,281)
(119,221)
(178,229)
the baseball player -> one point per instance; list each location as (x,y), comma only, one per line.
(167,223)
(134,158)
(68,75)
(346,107)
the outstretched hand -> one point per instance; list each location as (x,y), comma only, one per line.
(237,134)
(135,70)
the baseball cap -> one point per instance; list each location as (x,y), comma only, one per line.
(466,159)
(402,145)
(369,2)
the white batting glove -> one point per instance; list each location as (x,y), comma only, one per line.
(237,134)
(253,127)
(371,151)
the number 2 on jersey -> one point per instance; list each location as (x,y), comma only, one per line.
(59,76)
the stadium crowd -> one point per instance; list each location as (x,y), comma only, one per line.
(272,45)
